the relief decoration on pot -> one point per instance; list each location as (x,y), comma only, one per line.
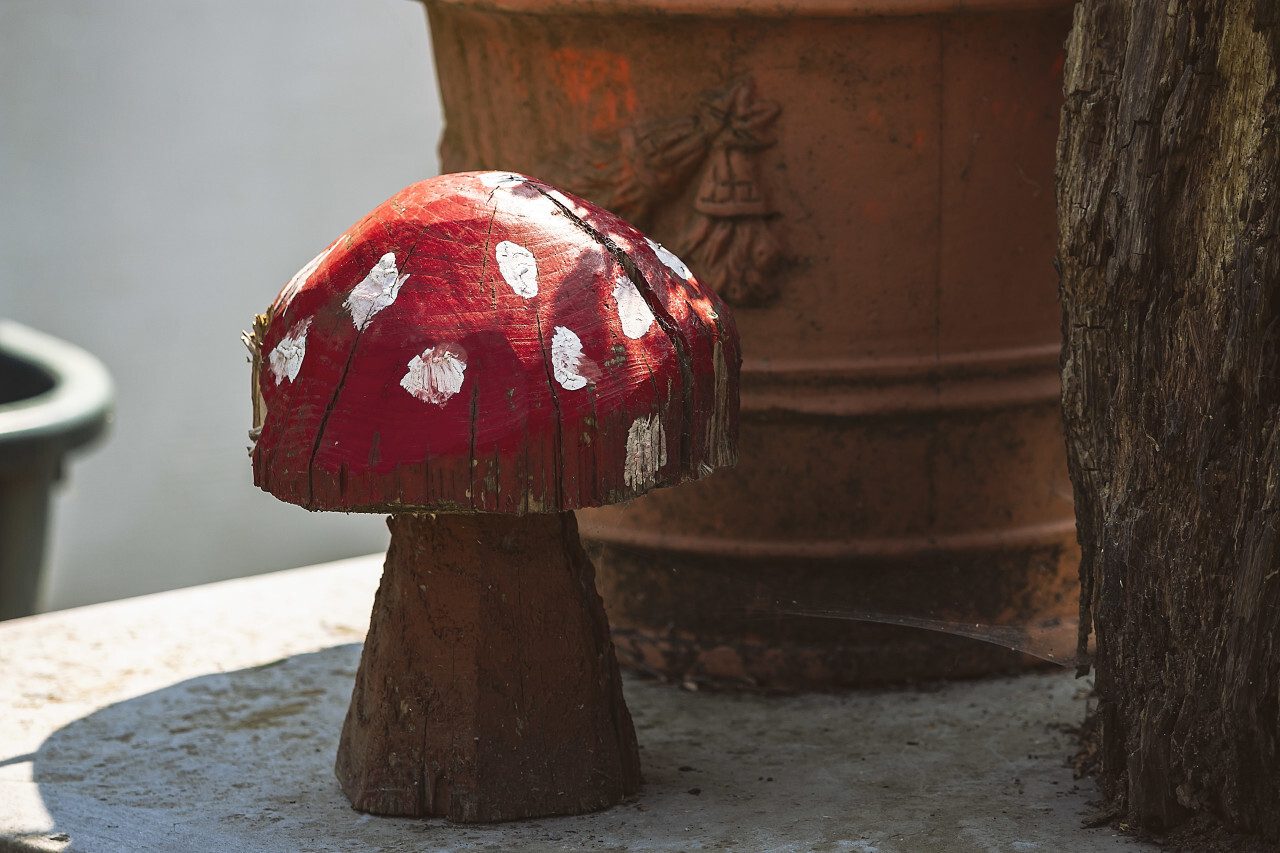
(730,239)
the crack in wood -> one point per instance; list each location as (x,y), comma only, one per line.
(558,461)
(337,392)
(665,322)
(472,462)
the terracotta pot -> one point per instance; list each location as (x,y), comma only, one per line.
(870,184)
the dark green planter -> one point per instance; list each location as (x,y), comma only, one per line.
(54,397)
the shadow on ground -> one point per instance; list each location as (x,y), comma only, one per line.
(243,761)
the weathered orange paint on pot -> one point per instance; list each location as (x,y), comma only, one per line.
(870,184)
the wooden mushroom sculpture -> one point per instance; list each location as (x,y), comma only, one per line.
(479,356)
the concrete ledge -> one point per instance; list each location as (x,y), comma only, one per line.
(207,720)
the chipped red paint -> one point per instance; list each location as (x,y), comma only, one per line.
(345,434)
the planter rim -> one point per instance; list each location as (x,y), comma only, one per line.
(68,415)
(755,8)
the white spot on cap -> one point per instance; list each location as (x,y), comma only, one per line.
(500,179)
(646,452)
(633,311)
(567,360)
(300,278)
(378,290)
(518,267)
(286,359)
(437,374)
(669,260)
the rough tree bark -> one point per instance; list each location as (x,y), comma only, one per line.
(1169,202)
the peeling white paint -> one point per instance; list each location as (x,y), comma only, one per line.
(518,267)
(378,290)
(669,260)
(646,452)
(575,207)
(437,374)
(633,312)
(286,359)
(300,278)
(500,179)
(567,360)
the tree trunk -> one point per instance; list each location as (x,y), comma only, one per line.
(1168,204)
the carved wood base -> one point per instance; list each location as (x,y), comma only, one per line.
(488,688)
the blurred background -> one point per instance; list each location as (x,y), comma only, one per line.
(165,167)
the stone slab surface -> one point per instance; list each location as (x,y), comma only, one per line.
(207,719)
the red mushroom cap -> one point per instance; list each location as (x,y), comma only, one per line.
(485,342)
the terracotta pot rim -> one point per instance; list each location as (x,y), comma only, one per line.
(755,8)
(857,387)
(1027,536)
(905,399)
(946,365)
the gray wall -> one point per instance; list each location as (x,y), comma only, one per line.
(164,168)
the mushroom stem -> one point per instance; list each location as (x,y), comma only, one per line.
(488,689)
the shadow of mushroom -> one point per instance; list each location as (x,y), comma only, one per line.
(243,760)
(228,752)
(246,758)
